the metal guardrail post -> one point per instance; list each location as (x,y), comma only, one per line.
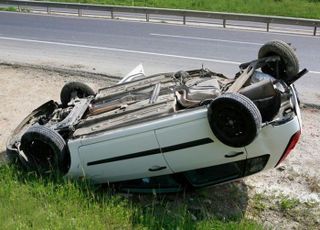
(224,22)
(48,10)
(315,31)
(79,12)
(184,19)
(111,13)
(147,17)
(268,26)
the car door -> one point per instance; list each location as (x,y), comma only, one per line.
(192,146)
(123,158)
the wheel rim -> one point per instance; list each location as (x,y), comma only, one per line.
(78,93)
(41,156)
(230,122)
(271,68)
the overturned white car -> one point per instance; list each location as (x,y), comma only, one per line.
(171,130)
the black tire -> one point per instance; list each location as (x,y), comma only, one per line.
(71,89)
(234,119)
(45,150)
(289,64)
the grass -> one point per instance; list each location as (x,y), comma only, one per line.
(287,203)
(28,201)
(11,8)
(258,203)
(291,8)
(305,213)
(31,202)
(291,210)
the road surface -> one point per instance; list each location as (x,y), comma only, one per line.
(114,47)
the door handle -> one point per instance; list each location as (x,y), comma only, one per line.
(157,168)
(233,154)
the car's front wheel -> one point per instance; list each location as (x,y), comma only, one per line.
(234,119)
(45,150)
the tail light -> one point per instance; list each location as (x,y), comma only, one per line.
(292,143)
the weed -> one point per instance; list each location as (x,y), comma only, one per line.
(287,203)
(258,202)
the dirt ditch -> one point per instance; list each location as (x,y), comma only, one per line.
(286,197)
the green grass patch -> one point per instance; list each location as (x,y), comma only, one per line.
(28,201)
(11,8)
(287,203)
(258,203)
(291,8)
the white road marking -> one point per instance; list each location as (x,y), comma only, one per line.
(314,72)
(205,39)
(128,51)
(120,50)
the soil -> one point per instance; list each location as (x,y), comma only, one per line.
(23,88)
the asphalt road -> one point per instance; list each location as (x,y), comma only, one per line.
(115,47)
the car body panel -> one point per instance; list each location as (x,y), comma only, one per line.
(273,140)
(128,157)
(78,169)
(158,134)
(199,155)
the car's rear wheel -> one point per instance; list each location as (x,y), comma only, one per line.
(288,66)
(45,150)
(74,89)
(234,119)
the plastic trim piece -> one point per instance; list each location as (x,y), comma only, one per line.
(153,151)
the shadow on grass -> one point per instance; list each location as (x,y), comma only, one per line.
(187,210)
(3,159)
(226,202)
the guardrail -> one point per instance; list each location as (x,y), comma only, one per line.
(147,11)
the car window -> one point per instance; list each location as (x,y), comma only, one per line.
(216,174)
